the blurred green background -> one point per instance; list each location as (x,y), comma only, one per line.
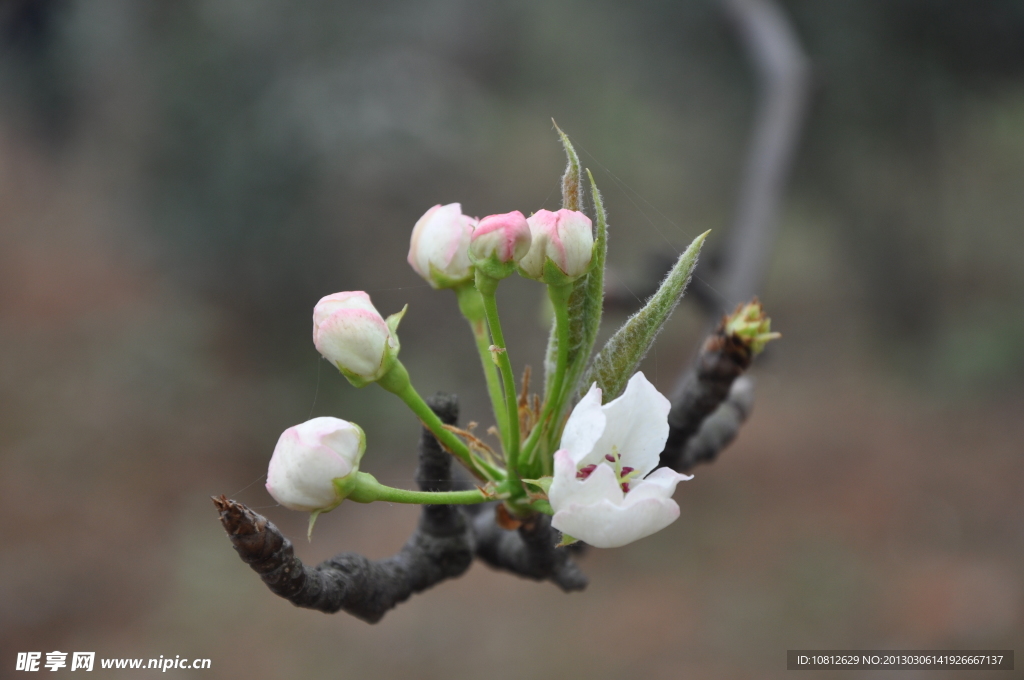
(181,181)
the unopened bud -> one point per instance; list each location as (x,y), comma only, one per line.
(499,242)
(315,464)
(350,332)
(439,248)
(749,323)
(565,239)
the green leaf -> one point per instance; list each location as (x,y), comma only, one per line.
(587,300)
(572,192)
(572,199)
(619,358)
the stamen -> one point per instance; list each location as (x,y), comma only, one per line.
(585,471)
(625,487)
(609,457)
(626,470)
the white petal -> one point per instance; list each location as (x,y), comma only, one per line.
(344,438)
(563,482)
(606,525)
(636,425)
(354,339)
(659,484)
(299,476)
(353,299)
(600,485)
(584,428)
(567,489)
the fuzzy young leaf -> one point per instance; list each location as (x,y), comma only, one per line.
(572,199)
(621,355)
(572,191)
(588,294)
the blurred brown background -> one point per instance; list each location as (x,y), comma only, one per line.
(180,182)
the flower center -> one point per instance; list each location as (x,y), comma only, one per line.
(623,474)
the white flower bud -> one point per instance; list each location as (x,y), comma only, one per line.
(350,332)
(565,238)
(439,248)
(312,463)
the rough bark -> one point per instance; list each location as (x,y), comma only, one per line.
(442,546)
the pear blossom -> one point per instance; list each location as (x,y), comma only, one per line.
(566,238)
(604,491)
(498,242)
(439,248)
(351,334)
(312,463)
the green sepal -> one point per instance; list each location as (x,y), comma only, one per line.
(387,361)
(438,279)
(542,506)
(619,359)
(361,487)
(344,486)
(392,323)
(356,380)
(544,483)
(312,520)
(493,268)
(567,540)
(553,276)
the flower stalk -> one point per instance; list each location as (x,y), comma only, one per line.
(398,383)
(487,286)
(367,490)
(536,450)
(472,307)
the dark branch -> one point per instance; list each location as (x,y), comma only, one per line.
(440,548)
(719,429)
(529,551)
(723,358)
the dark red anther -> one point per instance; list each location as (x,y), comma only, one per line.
(626,470)
(585,471)
(608,457)
(625,487)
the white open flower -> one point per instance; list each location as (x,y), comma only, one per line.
(603,491)
(309,458)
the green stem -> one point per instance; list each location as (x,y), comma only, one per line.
(472,307)
(487,287)
(397,382)
(368,489)
(559,296)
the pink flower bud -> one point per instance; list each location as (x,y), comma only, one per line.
(566,238)
(500,241)
(309,458)
(439,249)
(353,336)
